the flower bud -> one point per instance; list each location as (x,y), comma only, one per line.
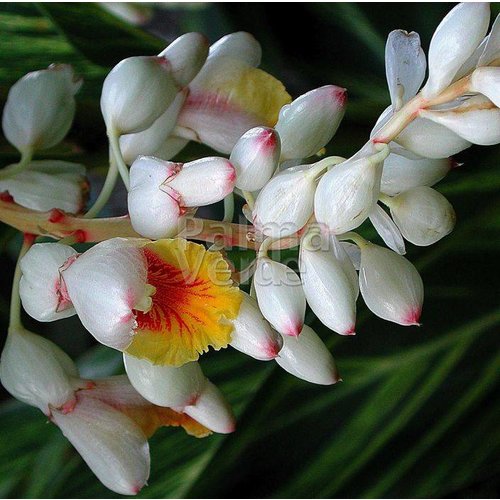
(255,158)
(330,284)
(212,410)
(487,82)
(401,173)
(390,285)
(387,230)
(430,140)
(285,203)
(40,108)
(42,289)
(477,120)
(154,212)
(186,55)
(308,358)
(126,106)
(280,296)
(347,193)
(36,371)
(49,184)
(165,385)
(308,124)
(151,140)
(423,215)
(252,334)
(453,42)
(239,45)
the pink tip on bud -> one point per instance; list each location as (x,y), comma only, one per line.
(268,139)
(272,350)
(351,331)
(413,318)
(294,328)
(339,94)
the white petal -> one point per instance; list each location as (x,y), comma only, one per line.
(105,284)
(476,121)
(390,285)
(203,182)
(329,290)
(404,66)
(453,42)
(280,296)
(186,55)
(136,92)
(401,174)
(431,140)
(212,410)
(111,444)
(165,385)
(40,108)
(346,194)
(308,358)
(423,215)
(240,45)
(353,252)
(42,290)
(36,371)
(255,157)
(285,203)
(149,141)
(252,334)
(487,82)
(307,124)
(469,65)
(154,213)
(492,48)
(171,147)
(382,120)
(387,230)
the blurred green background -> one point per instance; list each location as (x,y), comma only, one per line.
(418,412)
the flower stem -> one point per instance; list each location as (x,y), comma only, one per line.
(228,208)
(114,142)
(16,168)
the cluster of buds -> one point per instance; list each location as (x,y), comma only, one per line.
(164,301)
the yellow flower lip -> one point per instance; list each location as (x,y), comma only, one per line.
(192,298)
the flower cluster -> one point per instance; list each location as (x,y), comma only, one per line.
(144,289)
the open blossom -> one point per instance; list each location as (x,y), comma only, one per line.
(169,303)
(106,420)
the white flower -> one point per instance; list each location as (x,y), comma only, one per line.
(423,215)
(252,334)
(40,108)
(42,289)
(453,42)
(255,157)
(307,358)
(330,283)
(390,285)
(280,296)
(308,123)
(347,193)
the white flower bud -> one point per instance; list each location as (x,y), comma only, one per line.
(202,182)
(308,358)
(487,82)
(430,140)
(165,385)
(307,124)
(186,55)
(423,215)
(36,371)
(252,334)
(280,296)
(49,184)
(390,285)
(285,203)
(255,157)
(42,289)
(239,45)
(136,92)
(330,284)
(40,108)
(154,212)
(477,120)
(401,173)
(453,42)
(112,445)
(347,193)
(149,141)
(212,410)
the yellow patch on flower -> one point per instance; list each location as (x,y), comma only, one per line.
(193,299)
